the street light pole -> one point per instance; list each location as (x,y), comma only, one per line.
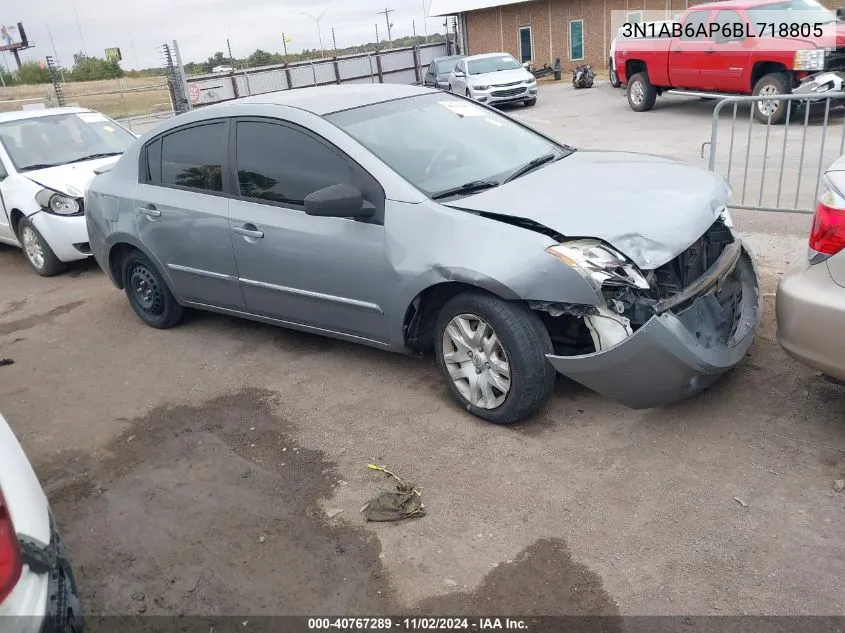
(319,31)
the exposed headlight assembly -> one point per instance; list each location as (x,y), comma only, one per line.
(58,203)
(809,59)
(599,264)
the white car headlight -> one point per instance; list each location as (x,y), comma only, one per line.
(481,87)
(599,264)
(809,59)
(531,81)
(57,203)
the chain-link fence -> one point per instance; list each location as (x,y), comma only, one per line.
(401,65)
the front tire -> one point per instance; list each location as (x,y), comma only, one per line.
(772,85)
(641,94)
(37,251)
(492,354)
(148,293)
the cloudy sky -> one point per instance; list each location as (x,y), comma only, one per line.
(201,27)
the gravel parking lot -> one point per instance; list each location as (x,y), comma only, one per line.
(219,467)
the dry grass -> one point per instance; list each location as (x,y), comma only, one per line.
(112,97)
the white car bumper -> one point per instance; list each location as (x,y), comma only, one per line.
(68,237)
(509,94)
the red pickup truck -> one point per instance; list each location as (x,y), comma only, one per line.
(759,47)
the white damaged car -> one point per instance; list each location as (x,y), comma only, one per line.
(37,588)
(47,158)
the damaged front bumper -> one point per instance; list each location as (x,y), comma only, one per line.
(677,353)
(821,84)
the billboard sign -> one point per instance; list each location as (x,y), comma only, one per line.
(113,55)
(12,37)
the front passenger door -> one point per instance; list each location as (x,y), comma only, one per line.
(458,80)
(689,53)
(326,273)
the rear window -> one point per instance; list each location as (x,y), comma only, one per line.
(192,157)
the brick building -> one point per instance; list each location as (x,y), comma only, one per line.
(576,31)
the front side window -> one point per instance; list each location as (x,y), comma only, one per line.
(193,157)
(576,40)
(730,25)
(60,139)
(283,165)
(463,142)
(446,66)
(492,64)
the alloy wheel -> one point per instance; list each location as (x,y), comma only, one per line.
(768,108)
(32,247)
(476,361)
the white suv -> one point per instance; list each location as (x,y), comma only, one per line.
(37,588)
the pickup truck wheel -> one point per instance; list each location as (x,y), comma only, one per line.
(772,85)
(611,73)
(641,94)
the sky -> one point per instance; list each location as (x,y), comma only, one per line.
(201,27)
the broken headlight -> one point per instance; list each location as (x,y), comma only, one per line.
(599,264)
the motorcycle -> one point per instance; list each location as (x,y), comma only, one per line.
(583,76)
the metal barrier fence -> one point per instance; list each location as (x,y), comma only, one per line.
(781,167)
(401,65)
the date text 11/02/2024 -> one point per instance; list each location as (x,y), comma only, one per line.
(416,624)
(724,29)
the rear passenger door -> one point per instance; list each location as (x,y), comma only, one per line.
(182,212)
(687,54)
(326,273)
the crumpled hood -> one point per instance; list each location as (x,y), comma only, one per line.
(70,179)
(650,208)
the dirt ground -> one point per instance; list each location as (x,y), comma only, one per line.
(220,467)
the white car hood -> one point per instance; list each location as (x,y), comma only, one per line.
(69,179)
(500,77)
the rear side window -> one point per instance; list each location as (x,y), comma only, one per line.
(730,27)
(193,157)
(283,165)
(695,27)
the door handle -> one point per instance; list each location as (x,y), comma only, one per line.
(149,210)
(248,230)
(678,50)
(709,51)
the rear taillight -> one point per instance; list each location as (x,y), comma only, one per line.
(11,564)
(827,237)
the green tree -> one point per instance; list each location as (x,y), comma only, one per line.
(87,68)
(262,58)
(218,59)
(33,73)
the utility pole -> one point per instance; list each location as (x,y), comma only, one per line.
(285,44)
(387,13)
(55,54)
(334,42)
(231,59)
(425,21)
(378,41)
(317,20)
(78,26)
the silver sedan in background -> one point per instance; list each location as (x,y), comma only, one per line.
(325,210)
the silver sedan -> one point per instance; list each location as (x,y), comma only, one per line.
(327,210)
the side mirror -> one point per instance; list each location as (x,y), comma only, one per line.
(338,201)
(458,73)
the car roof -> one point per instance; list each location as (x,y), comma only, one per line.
(446,58)
(19,115)
(321,100)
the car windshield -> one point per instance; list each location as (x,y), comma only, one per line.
(437,142)
(446,66)
(492,64)
(58,139)
(790,12)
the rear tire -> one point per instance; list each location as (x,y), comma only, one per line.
(611,74)
(37,251)
(148,292)
(641,94)
(772,84)
(509,351)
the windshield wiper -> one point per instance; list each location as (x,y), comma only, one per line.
(467,187)
(39,166)
(533,164)
(93,157)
